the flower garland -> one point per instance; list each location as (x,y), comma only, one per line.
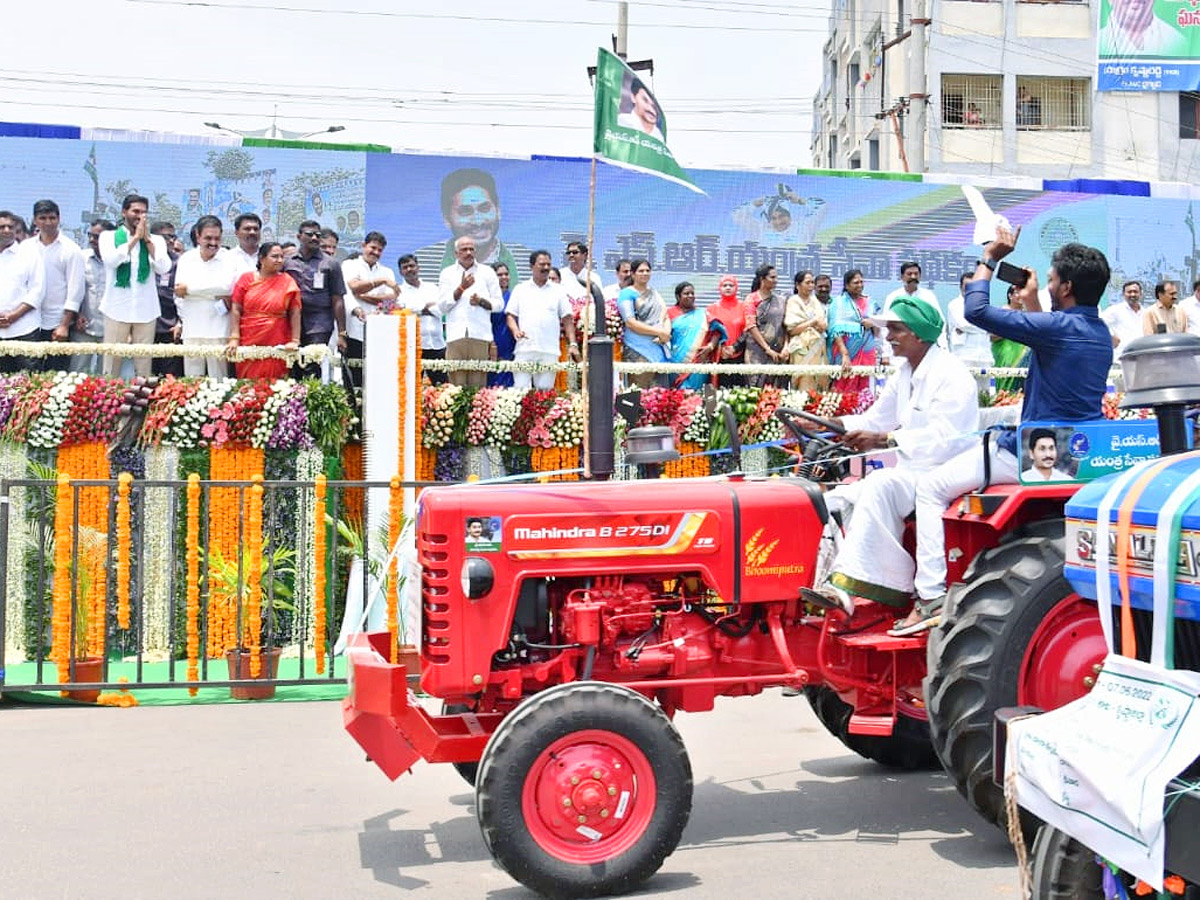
(318,558)
(124,481)
(269,415)
(94,411)
(226,509)
(27,406)
(192,543)
(183,428)
(162,464)
(442,406)
(691,463)
(555,459)
(235,420)
(13,464)
(504,414)
(47,429)
(309,465)
(352,470)
(254,549)
(395,513)
(63,614)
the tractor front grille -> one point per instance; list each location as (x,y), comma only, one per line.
(433,556)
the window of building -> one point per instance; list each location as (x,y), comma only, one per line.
(971,101)
(1189,116)
(1060,104)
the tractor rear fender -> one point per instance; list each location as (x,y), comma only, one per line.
(389,722)
(979,521)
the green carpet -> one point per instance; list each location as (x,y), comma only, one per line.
(289,668)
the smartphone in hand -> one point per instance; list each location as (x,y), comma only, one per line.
(1012,274)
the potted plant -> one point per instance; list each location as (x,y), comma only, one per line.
(242,609)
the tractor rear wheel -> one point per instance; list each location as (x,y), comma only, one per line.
(1064,869)
(908,746)
(583,790)
(1015,633)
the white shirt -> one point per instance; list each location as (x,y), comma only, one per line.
(22,280)
(242,261)
(138,302)
(65,278)
(357,270)
(610,292)
(205,282)
(539,312)
(1125,323)
(932,413)
(574,284)
(417,298)
(463,318)
(968,342)
(1191,306)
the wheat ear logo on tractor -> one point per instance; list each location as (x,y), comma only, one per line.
(757,552)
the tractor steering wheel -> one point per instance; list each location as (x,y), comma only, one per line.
(821,459)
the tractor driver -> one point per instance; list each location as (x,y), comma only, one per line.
(927,413)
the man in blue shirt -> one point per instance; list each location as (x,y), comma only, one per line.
(1068,374)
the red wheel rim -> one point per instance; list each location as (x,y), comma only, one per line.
(588,797)
(1059,663)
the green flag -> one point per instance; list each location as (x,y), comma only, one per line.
(631,130)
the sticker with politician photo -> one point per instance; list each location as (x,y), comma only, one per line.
(1052,452)
(482,534)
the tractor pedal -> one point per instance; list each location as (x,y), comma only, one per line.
(878,640)
(876,726)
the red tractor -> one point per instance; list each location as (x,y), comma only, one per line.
(564,625)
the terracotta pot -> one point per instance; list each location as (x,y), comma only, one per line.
(87,669)
(238,662)
(410,657)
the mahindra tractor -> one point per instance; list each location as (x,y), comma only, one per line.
(563,626)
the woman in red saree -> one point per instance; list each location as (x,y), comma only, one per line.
(265,313)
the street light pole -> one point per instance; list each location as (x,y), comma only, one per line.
(273,131)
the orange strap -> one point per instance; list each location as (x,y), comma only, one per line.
(1124,532)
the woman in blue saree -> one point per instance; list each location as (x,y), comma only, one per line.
(851,335)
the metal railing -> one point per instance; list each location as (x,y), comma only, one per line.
(152,652)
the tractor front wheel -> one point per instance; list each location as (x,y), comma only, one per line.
(1015,633)
(583,790)
(1064,869)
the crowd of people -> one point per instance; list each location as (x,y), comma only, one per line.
(136,283)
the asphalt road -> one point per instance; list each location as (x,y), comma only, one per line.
(275,801)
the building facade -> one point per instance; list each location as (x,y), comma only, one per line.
(995,87)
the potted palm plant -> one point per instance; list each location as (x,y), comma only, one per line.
(250,595)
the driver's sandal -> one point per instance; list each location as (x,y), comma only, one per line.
(929,615)
(828,596)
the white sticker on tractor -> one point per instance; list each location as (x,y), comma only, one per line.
(590,833)
(622,805)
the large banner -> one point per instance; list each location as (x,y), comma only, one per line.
(744,220)
(1148,45)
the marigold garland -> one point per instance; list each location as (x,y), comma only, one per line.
(231,462)
(560,377)
(395,511)
(89,462)
(124,481)
(254,548)
(193,579)
(60,648)
(351,499)
(690,463)
(553,459)
(319,576)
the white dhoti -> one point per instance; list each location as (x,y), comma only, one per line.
(872,561)
(936,490)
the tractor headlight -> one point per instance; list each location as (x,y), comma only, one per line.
(477,577)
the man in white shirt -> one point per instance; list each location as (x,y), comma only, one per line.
(1043,457)
(575,275)
(22,286)
(468,292)
(537,312)
(910,286)
(88,327)
(1124,319)
(422,297)
(927,412)
(132,258)
(204,278)
(968,342)
(624,272)
(368,284)
(1191,306)
(247,228)
(65,280)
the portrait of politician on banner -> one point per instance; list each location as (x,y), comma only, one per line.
(1132,29)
